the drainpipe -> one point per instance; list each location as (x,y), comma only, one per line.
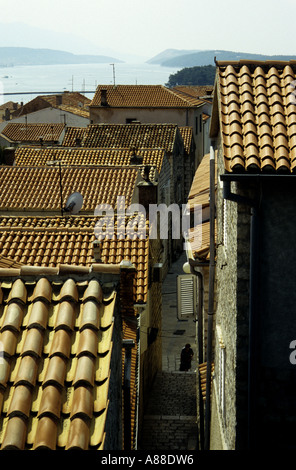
(128,344)
(193,264)
(253,306)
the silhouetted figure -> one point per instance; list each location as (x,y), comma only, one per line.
(186,356)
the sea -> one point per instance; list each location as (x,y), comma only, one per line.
(23,83)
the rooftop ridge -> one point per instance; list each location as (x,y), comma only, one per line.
(28,270)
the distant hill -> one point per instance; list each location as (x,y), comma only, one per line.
(198,58)
(170,54)
(10,56)
(199,75)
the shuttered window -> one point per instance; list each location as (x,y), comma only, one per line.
(187,295)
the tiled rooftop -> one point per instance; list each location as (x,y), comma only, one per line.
(21,132)
(38,188)
(258,115)
(55,241)
(123,136)
(26,156)
(68,101)
(196,91)
(56,345)
(8,263)
(187,136)
(133,96)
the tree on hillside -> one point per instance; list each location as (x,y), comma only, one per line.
(200,75)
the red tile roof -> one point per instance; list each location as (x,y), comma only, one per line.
(133,136)
(27,156)
(55,241)
(141,96)
(38,188)
(21,132)
(257,112)
(56,345)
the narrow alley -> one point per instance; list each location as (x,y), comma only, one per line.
(170,421)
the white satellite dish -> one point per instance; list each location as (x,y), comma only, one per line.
(74,203)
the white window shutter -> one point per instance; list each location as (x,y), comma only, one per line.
(187,295)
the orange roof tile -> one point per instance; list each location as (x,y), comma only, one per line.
(8,263)
(21,132)
(68,101)
(38,188)
(257,115)
(26,156)
(133,136)
(197,91)
(187,136)
(54,382)
(54,241)
(135,96)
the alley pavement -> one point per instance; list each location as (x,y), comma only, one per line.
(170,421)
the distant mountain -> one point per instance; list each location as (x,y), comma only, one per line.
(28,56)
(170,54)
(198,58)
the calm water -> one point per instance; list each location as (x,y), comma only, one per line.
(85,77)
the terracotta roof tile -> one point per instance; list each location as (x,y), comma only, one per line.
(187,136)
(33,156)
(54,241)
(197,91)
(258,110)
(20,132)
(133,96)
(123,136)
(48,397)
(38,188)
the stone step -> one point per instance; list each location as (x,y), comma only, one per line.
(170,421)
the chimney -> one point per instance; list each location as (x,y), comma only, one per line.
(7,114)
(147,190)
(136,159)
(9,154)
(104,101)
(59,100)
(97,247)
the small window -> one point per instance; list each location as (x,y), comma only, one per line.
(196,125)
(130,120)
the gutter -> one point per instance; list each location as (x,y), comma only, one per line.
(193,264)
(253,294)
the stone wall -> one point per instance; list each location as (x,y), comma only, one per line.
(226,313)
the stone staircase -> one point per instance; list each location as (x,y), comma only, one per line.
(170,421)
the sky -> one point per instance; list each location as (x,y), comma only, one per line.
(146,28)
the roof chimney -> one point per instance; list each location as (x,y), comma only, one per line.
(9,155)
(59,100)
(7,114)
(104,101)
(136,159)
(147,190)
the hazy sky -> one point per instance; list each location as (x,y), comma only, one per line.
(147,27)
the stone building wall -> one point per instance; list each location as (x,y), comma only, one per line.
(226,298)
